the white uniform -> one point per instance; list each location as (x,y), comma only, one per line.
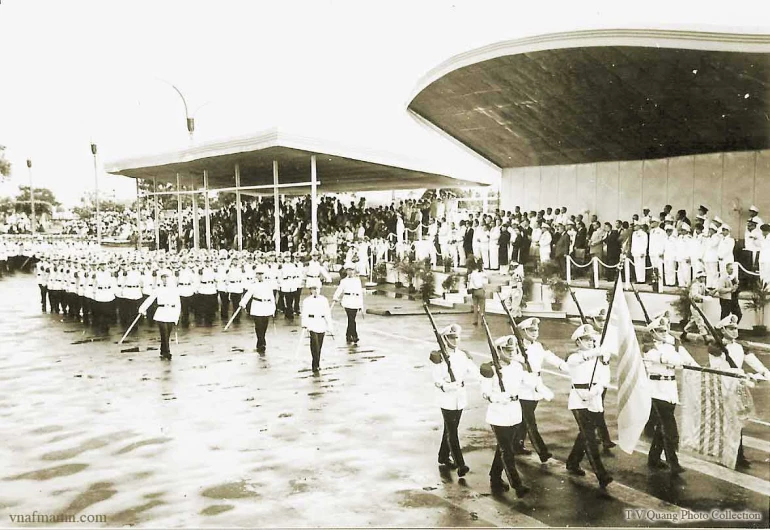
(534,389)
(500,411)
(725,252)
(316,314)
(352,293)
(661,362)
(764,259)
(464,370)
(262,299)
(494,245)
(581,371)
(169,304)
(314,273)
(657,246)
(711,259)
(684,270)
(669,259)
(639,251)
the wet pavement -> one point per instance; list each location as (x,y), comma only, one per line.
(222,436)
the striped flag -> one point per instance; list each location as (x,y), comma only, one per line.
(634,400)
(713,412)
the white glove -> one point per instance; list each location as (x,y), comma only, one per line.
(596,390)
(750,384)
(606,356)
(546,392)
(450,386)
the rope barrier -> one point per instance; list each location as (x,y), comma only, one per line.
(744,269)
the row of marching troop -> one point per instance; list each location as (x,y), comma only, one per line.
(512,386)
(101,288)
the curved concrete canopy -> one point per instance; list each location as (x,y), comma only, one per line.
(603,95)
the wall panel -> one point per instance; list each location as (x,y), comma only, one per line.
(607,190)
(531,188)
(707,170)
(727,183)
(738,189)
(680,185)
(586,188)
(762,185)
(568,188)
(549,190)
(630,177)
(654,183)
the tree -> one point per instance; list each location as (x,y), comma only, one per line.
(44,199)
(5,166)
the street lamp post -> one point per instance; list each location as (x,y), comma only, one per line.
(31,196)
(96,197)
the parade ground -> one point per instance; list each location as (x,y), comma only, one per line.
(222,436)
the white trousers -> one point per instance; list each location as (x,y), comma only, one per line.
(669,271)
(639,268)
(684,273)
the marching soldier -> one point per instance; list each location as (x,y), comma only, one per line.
(534,389)
(317,320)
(207,294)
(234,287)
(288,282)
(104,298)
(262,307)
(221,283)
(452,396)
(585,402)
(132,293)
(737,357)
(89,294)
(662,361)
(187,287)
(299,280)
(41,272)
(272,275)
(352,299)
(167,312)
(315,271)
(149,284)
(504,413)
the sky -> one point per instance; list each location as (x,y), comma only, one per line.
(82,71)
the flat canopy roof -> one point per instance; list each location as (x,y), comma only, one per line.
(603,95)
(339,169)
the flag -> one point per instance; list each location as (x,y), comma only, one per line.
(713,411)
(634,399)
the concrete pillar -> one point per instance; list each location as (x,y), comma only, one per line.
(138,218)
(238,205)
(157,213)
(196,231)
(313,202)
(206,206)
(277,208)
(179,211)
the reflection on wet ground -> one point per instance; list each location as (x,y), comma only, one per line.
(222,436)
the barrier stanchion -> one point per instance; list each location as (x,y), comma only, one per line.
(627,270)
(661,282)
(569,268)
(595,262)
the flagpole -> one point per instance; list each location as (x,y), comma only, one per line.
(606,325)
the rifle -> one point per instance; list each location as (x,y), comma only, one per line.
(493,351)
(574,299)
(639,299)
(714,333)
(516,333)
(441,344)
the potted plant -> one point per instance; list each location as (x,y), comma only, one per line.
(559,290)
(410,269)
(759,297)
(526,290)
(682,304)
(397,265)
(380,272)
(427,283)
(450,283)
